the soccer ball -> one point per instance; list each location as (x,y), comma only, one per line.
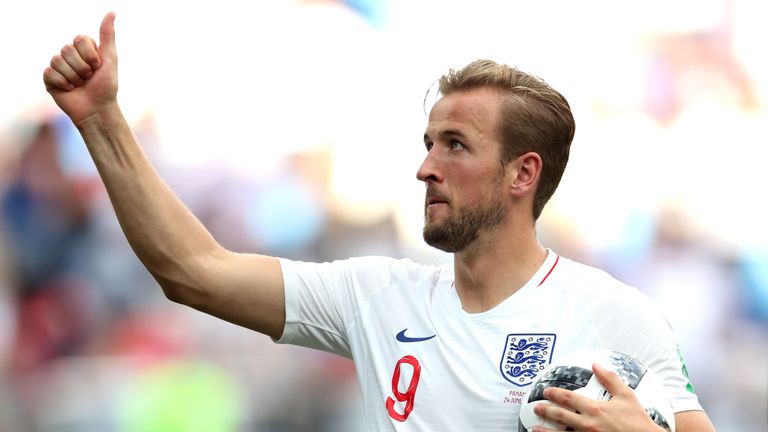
(574,372)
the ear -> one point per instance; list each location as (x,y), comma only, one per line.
(524,173)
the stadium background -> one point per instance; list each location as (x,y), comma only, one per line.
(293,128)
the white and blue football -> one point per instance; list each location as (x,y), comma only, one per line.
(574,372)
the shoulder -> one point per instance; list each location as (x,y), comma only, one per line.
(599,290)
(615,307)
(383,270)
(592,280)
(399,272)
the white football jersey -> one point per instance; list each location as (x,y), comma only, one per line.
(424,364)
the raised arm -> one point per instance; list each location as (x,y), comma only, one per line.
(179,252)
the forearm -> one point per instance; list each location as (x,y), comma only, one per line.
(163,233)
(191,267)
(693,421)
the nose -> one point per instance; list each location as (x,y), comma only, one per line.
(428,171)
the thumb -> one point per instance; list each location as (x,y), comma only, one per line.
(107,37)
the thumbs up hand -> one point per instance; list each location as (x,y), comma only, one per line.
(83,78)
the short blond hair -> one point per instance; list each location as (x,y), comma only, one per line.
(534,118)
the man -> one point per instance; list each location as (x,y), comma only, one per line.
(435,347)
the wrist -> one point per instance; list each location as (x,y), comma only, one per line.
(105,116)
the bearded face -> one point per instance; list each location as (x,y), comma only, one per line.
(462,225)
(463,170)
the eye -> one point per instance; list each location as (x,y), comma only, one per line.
(428,145)
(456,145)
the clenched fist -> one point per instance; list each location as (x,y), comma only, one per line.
(83,78)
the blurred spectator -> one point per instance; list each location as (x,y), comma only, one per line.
(690,66)
(46,216)
(46,213)
(697,286)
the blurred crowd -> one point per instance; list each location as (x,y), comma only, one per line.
(88,342)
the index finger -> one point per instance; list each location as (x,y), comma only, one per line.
(568,399)
(610,380)
(87,49)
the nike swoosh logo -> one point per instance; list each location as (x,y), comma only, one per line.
(403,338)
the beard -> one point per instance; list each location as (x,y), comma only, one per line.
(460,229)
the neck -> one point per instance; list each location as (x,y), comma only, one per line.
(495,267)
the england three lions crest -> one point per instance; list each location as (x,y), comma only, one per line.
(525,355)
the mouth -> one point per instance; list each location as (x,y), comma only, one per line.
(434,198)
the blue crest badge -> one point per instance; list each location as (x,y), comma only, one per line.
(525,355)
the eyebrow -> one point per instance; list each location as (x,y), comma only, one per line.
(448,133)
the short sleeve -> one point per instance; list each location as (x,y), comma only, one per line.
(638,328)
(323,299)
